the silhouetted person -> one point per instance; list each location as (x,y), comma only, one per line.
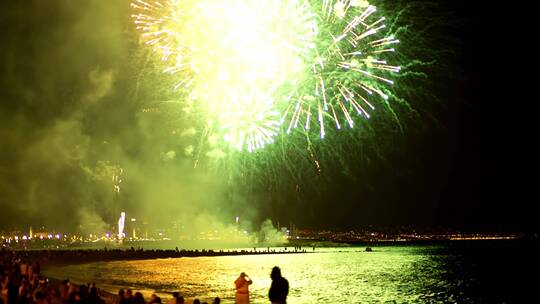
(242,288)
(154,299)
(129,295)
(138,298)
(122,297)
(280,287)
(83,290)
(93,297)
(217,300)
(177,298)
(13,289)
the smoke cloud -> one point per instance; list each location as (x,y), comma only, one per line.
(78,145)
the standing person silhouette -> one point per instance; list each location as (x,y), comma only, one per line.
(280,287)
(242,288)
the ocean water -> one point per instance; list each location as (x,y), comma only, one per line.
(451,272)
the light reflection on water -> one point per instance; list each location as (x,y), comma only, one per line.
(329,275)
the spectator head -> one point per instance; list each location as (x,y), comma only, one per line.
(39,296)
(276,273)
(138,298)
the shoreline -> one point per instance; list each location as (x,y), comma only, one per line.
(62,257)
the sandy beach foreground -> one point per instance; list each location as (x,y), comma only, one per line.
(31,266)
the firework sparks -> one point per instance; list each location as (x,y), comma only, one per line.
(347,70)
(254,124)
(258,67)
(219,50)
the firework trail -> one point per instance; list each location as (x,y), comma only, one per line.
(226,52)
(315,62)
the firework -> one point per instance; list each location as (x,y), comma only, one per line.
(253,124)
(255,68)
(223,52)
(348,69)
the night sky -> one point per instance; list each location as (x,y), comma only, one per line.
(71,100)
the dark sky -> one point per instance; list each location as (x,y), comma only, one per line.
(71,95)
(490,177)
